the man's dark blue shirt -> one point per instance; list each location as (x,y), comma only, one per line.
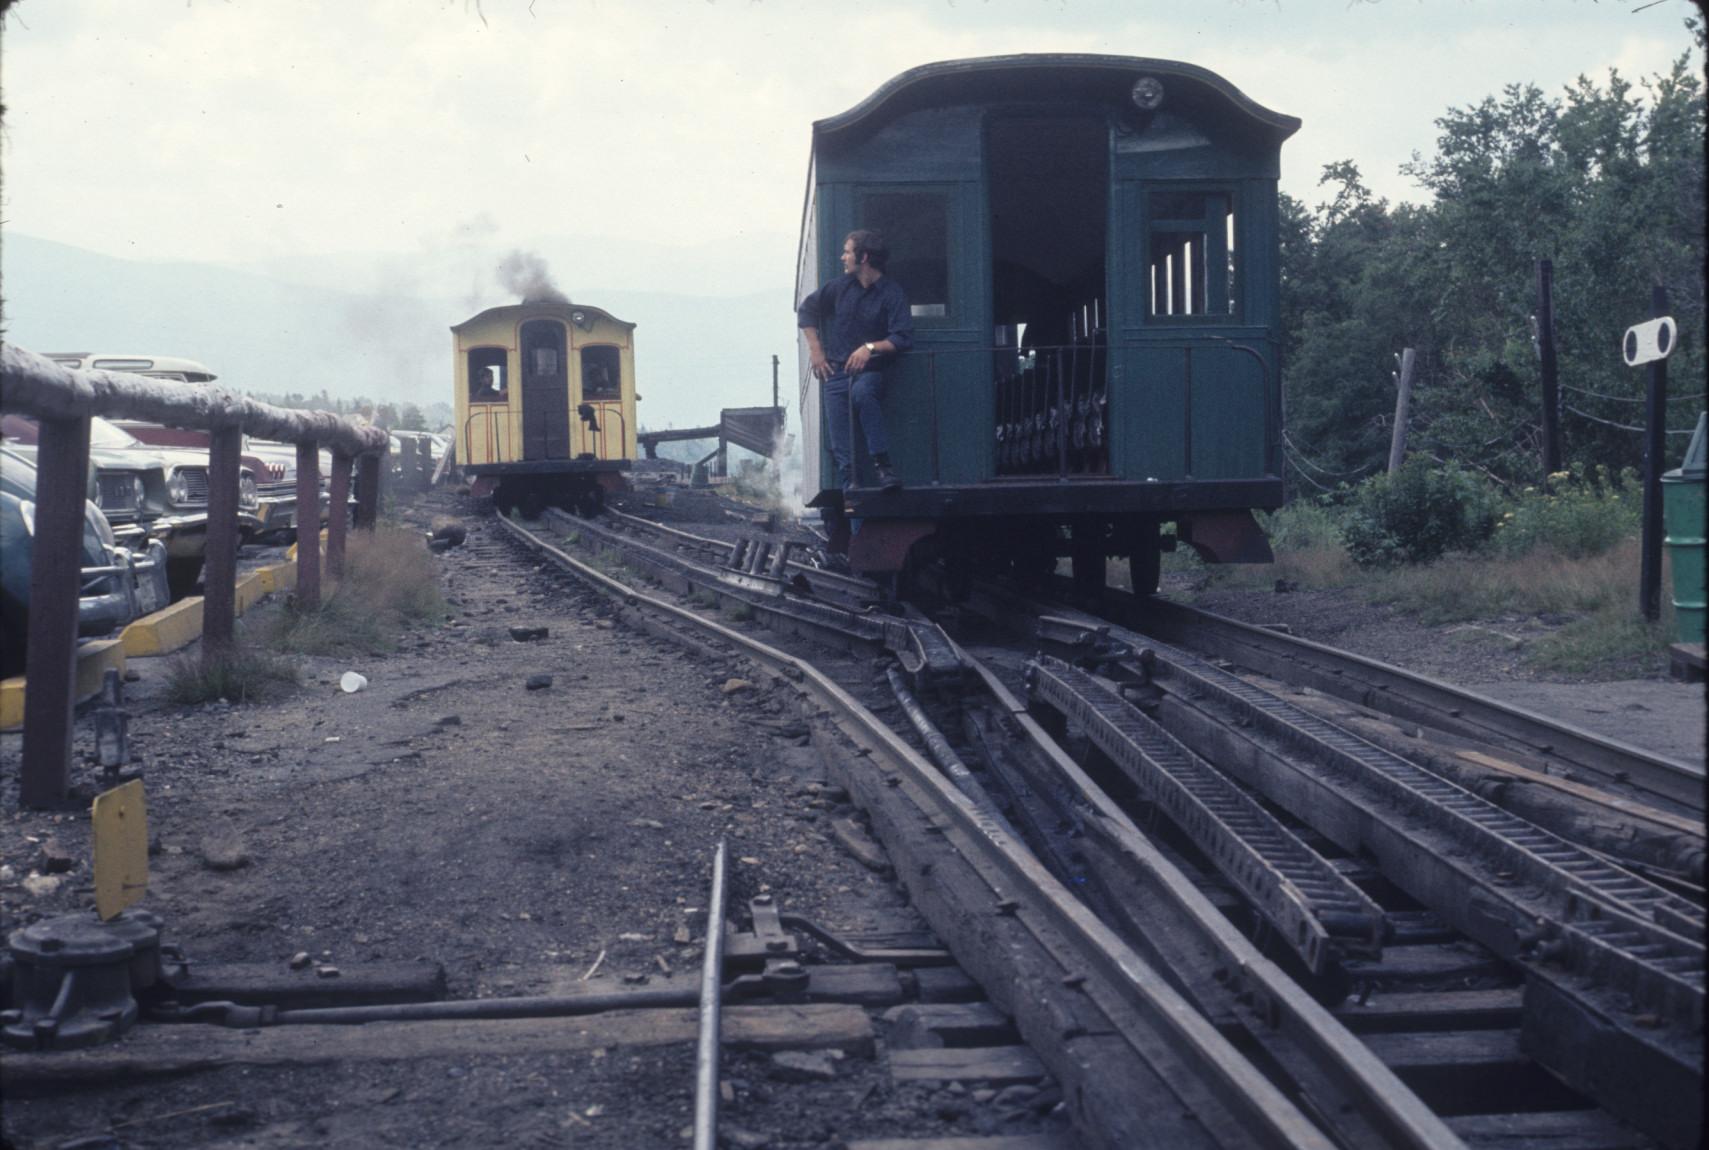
(848,315)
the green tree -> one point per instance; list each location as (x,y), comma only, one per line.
(1606,180)
(411,419)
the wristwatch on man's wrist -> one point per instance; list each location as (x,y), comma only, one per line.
(871,349)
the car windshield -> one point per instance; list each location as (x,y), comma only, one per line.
(105,435)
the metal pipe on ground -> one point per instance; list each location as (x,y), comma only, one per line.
(944,755)
(528,1007)
(711,1003)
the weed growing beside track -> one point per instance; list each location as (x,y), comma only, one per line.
(390,582)
(1566,560)
(244,673)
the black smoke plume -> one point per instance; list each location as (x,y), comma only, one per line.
(525,274)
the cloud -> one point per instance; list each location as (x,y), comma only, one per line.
(248,132)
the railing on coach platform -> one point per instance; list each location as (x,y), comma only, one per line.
(1050,404)
(63,400)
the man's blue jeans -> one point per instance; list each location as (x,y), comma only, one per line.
(868,391)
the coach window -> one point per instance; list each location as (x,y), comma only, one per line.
(916,230)
(602,372)
(1190,255)
(488,379)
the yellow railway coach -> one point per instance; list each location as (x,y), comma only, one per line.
(545,404)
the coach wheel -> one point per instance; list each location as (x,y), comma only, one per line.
(531,505)
(1086,553)
(1145,558)
(591,502)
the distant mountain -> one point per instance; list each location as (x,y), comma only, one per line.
(694,354)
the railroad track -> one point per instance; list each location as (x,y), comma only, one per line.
(1593,970)
(1557,749)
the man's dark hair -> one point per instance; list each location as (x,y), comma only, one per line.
(870,243)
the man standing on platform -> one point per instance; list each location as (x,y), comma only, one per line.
(865,323)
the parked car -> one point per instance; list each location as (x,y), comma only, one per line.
(174,512)
(118,584)
(272,466)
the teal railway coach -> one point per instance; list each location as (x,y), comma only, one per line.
(1089,246)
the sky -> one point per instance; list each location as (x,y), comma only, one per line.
(410,144)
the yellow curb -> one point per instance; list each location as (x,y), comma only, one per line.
(291,551)
(168,629)
(250,590)
(94,660)
(281,577)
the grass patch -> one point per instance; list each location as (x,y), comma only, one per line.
(1541,582)
(1610,642)
(390,582)
(241,674)
(1553,564)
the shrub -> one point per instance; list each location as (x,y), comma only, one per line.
(1303,525)
(239,674)
(1586,513)
(390,581)
(1418,514)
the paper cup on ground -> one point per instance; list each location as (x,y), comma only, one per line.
(352,682)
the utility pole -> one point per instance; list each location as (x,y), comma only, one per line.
(1655,431)
(1402,406)
(1546,353)
(774,381)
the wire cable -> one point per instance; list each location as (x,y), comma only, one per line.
(1622,426)
(1303,458)
(1627,398)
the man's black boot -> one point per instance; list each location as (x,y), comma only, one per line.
(887,479)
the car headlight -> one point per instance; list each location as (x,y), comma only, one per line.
(27,509)
(178,487)
(247,496)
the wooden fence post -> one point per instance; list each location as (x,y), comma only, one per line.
(338,513)
(308,525)
(219,573)
(368,489)
(56,564)
(1402,410)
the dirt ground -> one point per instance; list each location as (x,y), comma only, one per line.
(519,837)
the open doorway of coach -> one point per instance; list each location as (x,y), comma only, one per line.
(1047,179)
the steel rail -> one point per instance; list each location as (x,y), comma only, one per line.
(1649,941)
(1580,878)
(711,1006)
(1261,1113)
(1405,694)
(851,586)
(921,646)
(1627,989)
(1317,910)
(1623,997)
(1351,1090)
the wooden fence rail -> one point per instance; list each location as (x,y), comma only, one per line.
(62,400)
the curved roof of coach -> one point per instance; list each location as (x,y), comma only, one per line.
(534,308)
(994,79)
